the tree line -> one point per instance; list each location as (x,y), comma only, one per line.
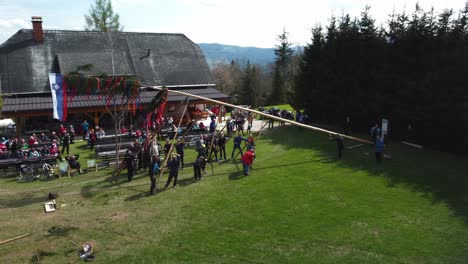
(411,71)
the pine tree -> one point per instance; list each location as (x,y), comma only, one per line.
(282,71)
(101,17)
(247,93)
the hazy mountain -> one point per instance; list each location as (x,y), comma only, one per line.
(215,53)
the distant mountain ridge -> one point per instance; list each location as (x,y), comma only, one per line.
(216,53)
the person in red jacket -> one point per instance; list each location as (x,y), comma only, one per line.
(247,160)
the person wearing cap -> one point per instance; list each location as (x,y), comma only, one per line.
(247,160)
(173,166)
(198,166)
(202,151)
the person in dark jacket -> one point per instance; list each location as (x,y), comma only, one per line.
(131,157)
(73,162)
(66,143)
(212,125)
(198,167)
(180,150)
(222,146)
(375,133)
(173,166)
(340,145)
(237,144)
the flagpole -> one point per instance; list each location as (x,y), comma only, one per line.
(262,114)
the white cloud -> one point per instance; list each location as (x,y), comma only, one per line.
(13,23)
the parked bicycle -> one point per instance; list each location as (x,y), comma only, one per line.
(31,170)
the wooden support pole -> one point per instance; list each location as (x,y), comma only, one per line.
(163,164)
(263,114)
(15,238)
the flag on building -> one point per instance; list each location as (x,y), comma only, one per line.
(59,96)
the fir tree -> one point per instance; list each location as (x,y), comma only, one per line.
(282,70)
(101,17)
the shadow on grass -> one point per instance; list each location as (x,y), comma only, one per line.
(26,200)
(61,231)
(442,177)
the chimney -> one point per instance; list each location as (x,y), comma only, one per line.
(38,34)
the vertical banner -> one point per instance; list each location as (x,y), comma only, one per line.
(384,128)
(59,96)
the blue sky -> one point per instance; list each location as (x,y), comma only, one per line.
(237,22)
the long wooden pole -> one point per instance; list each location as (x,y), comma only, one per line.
(263,114)
(15,238)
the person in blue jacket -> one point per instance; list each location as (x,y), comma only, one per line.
(379,148)
(237,144)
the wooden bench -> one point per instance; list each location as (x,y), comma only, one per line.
(109,147)
(106,155)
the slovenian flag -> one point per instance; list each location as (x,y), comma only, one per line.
(59,96)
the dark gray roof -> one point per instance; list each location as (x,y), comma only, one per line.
(172,59)
(43,102)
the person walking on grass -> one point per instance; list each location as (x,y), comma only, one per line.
(173,166)
(247,161)
(237,144)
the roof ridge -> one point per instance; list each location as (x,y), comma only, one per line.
(100,32)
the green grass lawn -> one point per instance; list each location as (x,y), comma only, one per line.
(299,205)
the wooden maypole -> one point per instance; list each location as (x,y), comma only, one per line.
(263,114)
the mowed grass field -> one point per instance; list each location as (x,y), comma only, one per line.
(299,205)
